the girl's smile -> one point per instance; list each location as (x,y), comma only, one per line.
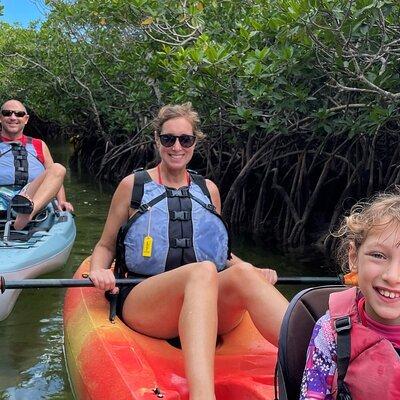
(377,262)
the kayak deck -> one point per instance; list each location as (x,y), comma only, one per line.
(34,251)
(109,360)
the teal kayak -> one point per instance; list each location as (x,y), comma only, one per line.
(42,247)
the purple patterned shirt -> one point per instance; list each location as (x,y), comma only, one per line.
(320,362)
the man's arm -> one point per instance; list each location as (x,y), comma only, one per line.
(63,204)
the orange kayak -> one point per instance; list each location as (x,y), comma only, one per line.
(110,361)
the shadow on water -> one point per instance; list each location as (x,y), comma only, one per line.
(31,356)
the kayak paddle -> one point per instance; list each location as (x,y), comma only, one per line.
(349,279)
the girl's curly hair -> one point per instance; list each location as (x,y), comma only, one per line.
(378,212)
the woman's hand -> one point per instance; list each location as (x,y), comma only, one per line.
(104,279)
(269,274)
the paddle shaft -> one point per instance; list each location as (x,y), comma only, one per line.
(57,283)
(310,280)
(60,283)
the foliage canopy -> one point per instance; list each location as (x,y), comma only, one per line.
(298,97)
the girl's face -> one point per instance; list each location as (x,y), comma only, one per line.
(377,263)
(176,156)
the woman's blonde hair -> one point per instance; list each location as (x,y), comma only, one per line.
(378,212)
(184,110)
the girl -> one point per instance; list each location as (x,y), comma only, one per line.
(354,348)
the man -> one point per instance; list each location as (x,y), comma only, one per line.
(29,178)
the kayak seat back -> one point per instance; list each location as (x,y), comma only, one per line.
(303,312)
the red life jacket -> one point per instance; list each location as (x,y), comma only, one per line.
(374,368)
(36,143)
(21,161)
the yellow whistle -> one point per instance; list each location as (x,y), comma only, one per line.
(147,246)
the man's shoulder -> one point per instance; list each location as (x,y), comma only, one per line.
(38,145)
(28,138)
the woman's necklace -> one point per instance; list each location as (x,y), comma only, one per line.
(160,179)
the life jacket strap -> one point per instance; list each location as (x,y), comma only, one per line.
(209,207)
(20,164)
(146,206)
(141,177)
(342,328)
(200,181)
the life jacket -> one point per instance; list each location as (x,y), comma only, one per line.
(182,225)
(20,161)
(367,363)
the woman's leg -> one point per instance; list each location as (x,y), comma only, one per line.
(182,301)
(41,190)
(242,287)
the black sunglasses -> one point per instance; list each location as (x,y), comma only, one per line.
(168,140)
(8,113)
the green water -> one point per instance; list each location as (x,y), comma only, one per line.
(31,338)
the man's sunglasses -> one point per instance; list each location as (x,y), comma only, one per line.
(8,113)
(168,140)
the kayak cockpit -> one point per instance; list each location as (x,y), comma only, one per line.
(109,360)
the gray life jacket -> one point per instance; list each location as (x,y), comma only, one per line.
(182,224)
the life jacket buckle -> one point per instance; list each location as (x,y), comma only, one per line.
(143,208)
(181,243)
(342,324)
(184,192)
(210,207)
(179,215)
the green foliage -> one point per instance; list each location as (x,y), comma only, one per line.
(253,69)
(258,61)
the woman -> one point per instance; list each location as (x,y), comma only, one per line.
(209,293)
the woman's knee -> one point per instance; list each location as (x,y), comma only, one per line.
(203,273)
(242,274)
(243,270)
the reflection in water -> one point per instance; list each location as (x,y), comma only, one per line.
(45,378)
(31,363)
(31,352)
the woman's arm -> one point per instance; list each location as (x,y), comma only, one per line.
(104,251)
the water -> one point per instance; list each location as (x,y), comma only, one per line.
(31,338)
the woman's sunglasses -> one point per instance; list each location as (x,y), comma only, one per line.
(168,140)
(8,113)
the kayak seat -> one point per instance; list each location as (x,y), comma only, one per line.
(303,312)
(42,223)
